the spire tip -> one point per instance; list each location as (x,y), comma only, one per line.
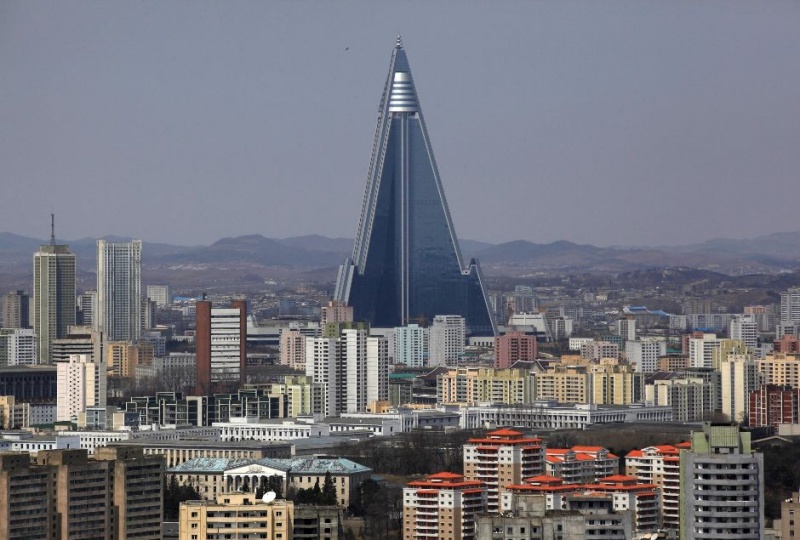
(399,42)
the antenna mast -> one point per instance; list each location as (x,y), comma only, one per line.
(52,229)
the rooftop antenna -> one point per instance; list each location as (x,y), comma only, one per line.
(52,229)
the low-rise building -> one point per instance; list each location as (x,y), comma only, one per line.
(236,515)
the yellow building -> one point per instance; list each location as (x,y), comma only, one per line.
(27,499)
(472,385)
(611,383)
(14,415)
(123,357)
(781,369)
(727,348)
(236,515)
(565,384)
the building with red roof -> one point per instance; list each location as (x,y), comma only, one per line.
(500,458)
(442,506)
(581,464)
(660,465)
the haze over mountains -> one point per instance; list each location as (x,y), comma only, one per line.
(779,252)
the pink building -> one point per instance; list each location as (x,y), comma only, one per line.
(513,346)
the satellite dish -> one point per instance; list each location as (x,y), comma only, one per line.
(268,497)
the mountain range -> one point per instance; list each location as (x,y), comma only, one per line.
(773,253)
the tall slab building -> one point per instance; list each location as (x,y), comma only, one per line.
(53,294)
(119,290)
(406,265)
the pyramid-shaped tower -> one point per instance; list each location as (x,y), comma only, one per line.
(406,265)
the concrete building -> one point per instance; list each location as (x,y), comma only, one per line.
(780,369)
(595,350)
(119,290)
(160,294)
(790,510)
(701,350)
(411,345)
(27,499)
(626,328)
(221,341)
(645,353)
(660,465)
(78,340)
(790,306)
(788,344)
(744,328)
(293,349)
(513,346)
(500,458)
(53,308)
(123,357)
(447,339)
(771,405)
(81,383)
(474,385)
(18,347)
(692,398)
(87,309)
(336,312)
(739,376)
(443,506)
(236,515)
(722,482)
(15,310)
(580,464)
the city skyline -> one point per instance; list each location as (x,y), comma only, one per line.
(610,124)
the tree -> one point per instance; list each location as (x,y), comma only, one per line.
(175,494)
(328,490)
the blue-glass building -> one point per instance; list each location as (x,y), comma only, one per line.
(406,265)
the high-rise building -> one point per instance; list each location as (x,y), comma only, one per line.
(501,458)
(79,340)
(740,376)
(790,306)
(469,385)
(406,264)
(447,337)
(411,345)
(53,294)
(644,353)
(87,309)
(27,499)
(722,481)
(744,328)
(771,405)
(512,347)
(626,328)
(443,505)
(221,341)
(18,347)
(293,349)
(16,310)
(701,350)
(336,312)
(660,465)
(119,289)
(160,294)
(81,383)
(123,357)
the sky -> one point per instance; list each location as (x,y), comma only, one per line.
(609,123)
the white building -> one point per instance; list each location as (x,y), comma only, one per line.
(377,368)
(411,344)
(597,350)
(644,353)
(701,350)
(744,328)
(575,343)
(119,290)
(249,429)
(87,306)
(447,338)
(626,328)
(18,347)
(790,306)
(80,383)
(739,375)
(159,294)
(322,363)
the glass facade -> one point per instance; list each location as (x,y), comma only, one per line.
(406,265)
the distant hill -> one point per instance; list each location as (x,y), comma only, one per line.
(774,253)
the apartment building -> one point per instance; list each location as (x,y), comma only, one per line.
(443,506)
(501,458)
(473,385)
(236,515)
(580,464)
(660,465)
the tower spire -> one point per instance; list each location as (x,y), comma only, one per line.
(399,43)
(52,229)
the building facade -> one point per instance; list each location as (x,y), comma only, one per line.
(221,341)
(119,290)
(53,309)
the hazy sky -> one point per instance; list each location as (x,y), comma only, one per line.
(612,123)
